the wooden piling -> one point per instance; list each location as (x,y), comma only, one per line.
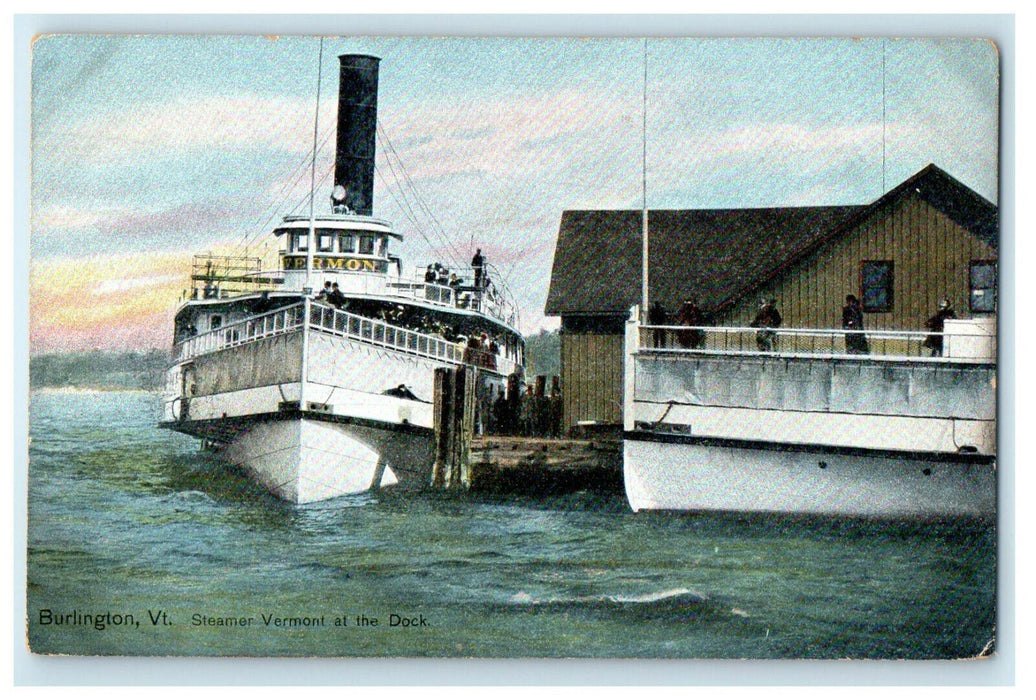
(454,411)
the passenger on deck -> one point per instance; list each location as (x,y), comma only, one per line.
(493,350)
(336,298)
(767,318)
(936,324)
(852,322)
(429,274)
(657,317)
(324,293)
(477,264)
(691,315)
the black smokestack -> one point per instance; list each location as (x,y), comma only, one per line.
(357,128)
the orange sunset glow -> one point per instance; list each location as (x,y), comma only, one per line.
(105,303)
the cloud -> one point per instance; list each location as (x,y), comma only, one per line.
(182,126)
(118,286)
(115,302)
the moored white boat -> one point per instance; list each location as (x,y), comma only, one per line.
(810,429)
(322,395)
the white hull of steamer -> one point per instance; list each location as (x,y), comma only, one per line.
(690,476)
(305,460)
(810,432)
(319,410)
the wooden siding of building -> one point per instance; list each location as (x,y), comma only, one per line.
(931,258)
(591,378)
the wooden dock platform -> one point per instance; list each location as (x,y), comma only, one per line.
(540,466)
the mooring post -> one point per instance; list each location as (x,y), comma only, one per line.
(454,411)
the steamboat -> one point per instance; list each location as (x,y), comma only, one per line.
(807,426)
(323,394)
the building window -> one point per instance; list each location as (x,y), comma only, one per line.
(983,286)
(876,285)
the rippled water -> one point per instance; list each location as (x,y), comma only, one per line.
(132,529)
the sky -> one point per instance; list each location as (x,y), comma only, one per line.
(146,150)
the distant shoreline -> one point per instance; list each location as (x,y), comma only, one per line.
(101,389)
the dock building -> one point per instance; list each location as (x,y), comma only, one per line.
(929,238)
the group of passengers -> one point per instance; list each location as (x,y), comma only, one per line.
(481,350)
(768,319)
(856,341)
(332,295)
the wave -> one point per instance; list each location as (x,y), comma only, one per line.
(190,496)
(678,596)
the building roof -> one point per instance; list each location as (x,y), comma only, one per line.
(721,255)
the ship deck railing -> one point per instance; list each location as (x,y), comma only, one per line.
(812,342)
(344,324)
(213,284)
(464,295)
(225,276)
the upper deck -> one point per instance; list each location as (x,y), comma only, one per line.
(962,341)
(353,252)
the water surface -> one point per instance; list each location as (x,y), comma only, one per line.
(135,530)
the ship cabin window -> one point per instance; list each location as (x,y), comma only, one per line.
(983,286)
(215,322)
(383,246)
(346,243)
(876,285)
(299,242)
(325,241)
(366,245)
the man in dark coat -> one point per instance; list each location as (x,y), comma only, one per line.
(657,317)
(852,322)
(477,264)
(767,319)
(936,324)
(336,298)
(691,315)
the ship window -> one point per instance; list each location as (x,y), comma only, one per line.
(325,242)
(346,243)
(215,322)
(983,286)
(300,242)
(366,245)
(876,285)
(382,246)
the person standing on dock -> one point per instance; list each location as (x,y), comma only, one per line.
(852,322)
(767,319)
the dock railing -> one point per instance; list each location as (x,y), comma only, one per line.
(974,347)
(328,319)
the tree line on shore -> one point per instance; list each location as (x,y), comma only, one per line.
(99,369)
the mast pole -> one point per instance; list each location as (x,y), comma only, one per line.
(307,288)
(643,205)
